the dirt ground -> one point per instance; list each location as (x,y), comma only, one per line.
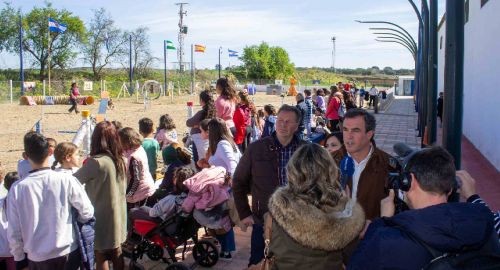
(56,120)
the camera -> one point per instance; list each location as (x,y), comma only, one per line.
(400,180)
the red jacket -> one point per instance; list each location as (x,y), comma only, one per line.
(241,120)
(332,111)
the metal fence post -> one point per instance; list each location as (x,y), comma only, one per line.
(10,86)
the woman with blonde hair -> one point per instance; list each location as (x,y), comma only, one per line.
(313,220)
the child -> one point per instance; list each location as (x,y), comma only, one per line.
(174,156)
(270,120)
(6,259)
(52,146)
(170,204)
(203,161)
(166,133)
(140,182)
(67,155)
(42,205)
(150,145)
(24,166)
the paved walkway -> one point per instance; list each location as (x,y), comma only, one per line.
(396,124)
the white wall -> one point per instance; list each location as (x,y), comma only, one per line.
(481,122)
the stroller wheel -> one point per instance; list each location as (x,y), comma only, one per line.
(155,252)
(177,266)
(205,253)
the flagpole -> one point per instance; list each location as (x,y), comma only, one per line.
(21,72)
(165,65)
(131,75)
(192,69)
(48,58)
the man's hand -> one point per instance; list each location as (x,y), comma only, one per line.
(247,222)
(387,207)
(367,224)
(468,184)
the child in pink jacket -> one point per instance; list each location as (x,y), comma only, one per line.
(140,182)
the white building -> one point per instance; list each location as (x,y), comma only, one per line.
(481,119)
(405,86)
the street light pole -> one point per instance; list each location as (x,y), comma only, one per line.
(393,36)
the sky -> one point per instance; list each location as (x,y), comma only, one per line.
(303,28)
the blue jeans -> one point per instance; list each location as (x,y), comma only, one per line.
(257,244)
(227,243)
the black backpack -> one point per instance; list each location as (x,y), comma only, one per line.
(478,258)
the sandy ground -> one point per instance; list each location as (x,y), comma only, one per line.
(20,119)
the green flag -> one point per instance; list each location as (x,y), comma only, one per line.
(170,45)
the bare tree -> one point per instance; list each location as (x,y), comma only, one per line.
(142,59)
(105,42)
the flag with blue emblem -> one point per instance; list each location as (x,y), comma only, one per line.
(232,53)
(55,26)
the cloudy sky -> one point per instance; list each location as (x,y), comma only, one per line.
(303,28)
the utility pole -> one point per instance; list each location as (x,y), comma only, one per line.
(220,52)
(333,54)
(182,33)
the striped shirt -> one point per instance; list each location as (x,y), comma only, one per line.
(476,199)
(284,155)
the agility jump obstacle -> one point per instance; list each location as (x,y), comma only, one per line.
(54,100)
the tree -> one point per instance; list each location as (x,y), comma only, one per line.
(104,42)
(375,70)
(142,59)
(388,71)
(9,21)
(36,42)
(266,62)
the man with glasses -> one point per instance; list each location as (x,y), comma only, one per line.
(261,170)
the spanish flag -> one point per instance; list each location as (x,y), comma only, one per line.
(199,48)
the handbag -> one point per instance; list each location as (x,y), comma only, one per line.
(268,262)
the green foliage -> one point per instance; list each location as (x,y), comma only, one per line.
(36,36)
(9,21)
(267,62)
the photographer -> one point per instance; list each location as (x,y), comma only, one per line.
(433,227)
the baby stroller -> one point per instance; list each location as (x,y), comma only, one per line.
(153,238)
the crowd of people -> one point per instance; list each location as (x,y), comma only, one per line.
(321,205)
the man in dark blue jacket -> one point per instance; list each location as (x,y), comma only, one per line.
(445,227)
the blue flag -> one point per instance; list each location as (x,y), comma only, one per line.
(55,26)
(232,53)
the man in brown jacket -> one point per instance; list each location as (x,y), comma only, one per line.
(260,171)
(368,184)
